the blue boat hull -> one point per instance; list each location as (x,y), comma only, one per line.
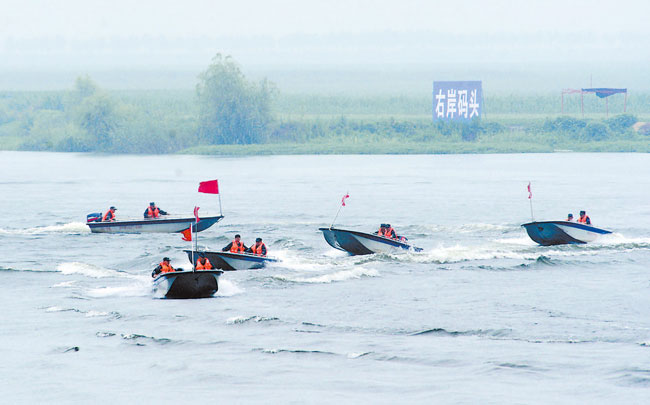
(232,261)
(159,225)
(362,243)
(549,233)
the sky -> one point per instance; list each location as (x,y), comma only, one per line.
(88,19)
(46,44)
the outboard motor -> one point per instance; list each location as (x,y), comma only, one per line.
(94,217)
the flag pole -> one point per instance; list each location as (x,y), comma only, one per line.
(336,216)
(340,206)
(530,199)
(196,242)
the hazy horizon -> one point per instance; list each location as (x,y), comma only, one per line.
(302,46)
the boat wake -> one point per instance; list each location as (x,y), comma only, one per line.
(342,275)
(89,270)
(72,228)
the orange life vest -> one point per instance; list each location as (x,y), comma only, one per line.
(583,220)
(204,266)
(237,247)
(257,250)
(165,268)
(108,216)
(388,232)
(155,213)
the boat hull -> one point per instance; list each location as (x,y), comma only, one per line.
(549,233)
(361,243)
(187,284)
(232,261)
(160,225)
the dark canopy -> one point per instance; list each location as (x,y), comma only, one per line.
(603,92)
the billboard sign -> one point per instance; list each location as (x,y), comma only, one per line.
(457,101)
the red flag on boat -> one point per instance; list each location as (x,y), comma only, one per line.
(196,213)
(187,234)
(209,187)
(343,199)
(530,194)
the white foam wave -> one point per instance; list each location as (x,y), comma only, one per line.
(459,253)
(227,288)
(56,309)
(90,270)
(469,228)
(521,240)
(132,290)
(619,239)
(328,278)
(92,314)
(71,228)
(288,259)
(65,284)
(236,320)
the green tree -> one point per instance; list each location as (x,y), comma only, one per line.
(98,117)
(232,109)
(84,87)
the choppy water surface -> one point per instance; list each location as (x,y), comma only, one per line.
(482,315)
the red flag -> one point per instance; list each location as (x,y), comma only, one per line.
(343,199)
(196,213)
(530,194)
(209,187)
(187,234)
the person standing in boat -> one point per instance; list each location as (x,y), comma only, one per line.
(569,218)
(236,246)
(153,211)
(584,218)
(203,263)
(110,215)
(163,267)
(259,248)
(387,231)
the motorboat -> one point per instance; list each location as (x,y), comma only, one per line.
(231,261)
(362,243)
(548,233)
(164,224)
(187,284)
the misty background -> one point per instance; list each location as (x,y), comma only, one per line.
(340,47)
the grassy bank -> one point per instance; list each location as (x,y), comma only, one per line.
(166,122)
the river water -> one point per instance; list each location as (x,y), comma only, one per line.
(481,315)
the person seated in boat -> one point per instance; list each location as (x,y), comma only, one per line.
(163,267)
(110,215)
(569,218)
(387,231)
(236,246)
(584,218)
(203,263)
(153,211)
(258,248)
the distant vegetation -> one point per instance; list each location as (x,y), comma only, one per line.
(229,114)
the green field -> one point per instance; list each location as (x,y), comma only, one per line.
(166,122)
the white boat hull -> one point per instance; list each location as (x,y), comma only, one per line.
(159,225)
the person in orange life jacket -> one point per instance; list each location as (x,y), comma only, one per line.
(387,231)
(153,212)
(163,267)
(203,263)
(584,218)
(569,218)
(110,215)
(258,248)
(236,246)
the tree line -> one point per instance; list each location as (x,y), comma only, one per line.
(226,108)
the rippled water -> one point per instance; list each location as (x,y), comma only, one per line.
(481,315)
